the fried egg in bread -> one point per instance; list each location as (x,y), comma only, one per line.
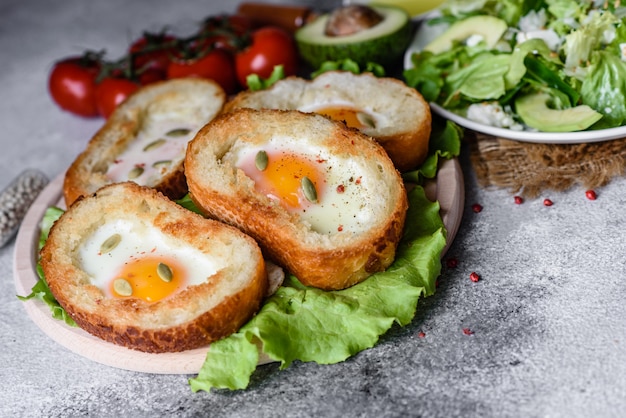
(323,200)
(145,139)
(386,109)
(136,269)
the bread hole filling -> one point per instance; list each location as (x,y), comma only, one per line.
(351,116)
(127,259)
(330,195)
(157,148)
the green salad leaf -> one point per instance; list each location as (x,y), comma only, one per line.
(444,142)
(255,82)
(40,290)
(347,64)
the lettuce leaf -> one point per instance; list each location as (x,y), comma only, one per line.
(445,142)
(347,64)
(255,82)
(604,89)
(40,290)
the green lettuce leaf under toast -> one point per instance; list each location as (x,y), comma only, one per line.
(444,142)
(40,290)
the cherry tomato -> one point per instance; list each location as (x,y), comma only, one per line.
(225,31)
(72,84)
(111,91)
(150,76)
(270,46)
(216,65)
(153,51)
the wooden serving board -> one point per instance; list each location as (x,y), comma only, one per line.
(448,189)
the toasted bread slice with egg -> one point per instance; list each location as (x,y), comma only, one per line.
(396,115)
(136,269)
(145,139)
(323,200)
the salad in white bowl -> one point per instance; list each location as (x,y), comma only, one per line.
(548,66)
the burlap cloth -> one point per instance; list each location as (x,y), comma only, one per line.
(528,169)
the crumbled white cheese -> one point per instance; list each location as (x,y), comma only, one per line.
(533,21)
(549,36)
(608,36)
(474,40)
(492,114)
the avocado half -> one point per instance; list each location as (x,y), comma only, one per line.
(489,28)
(382,43)
(534,111)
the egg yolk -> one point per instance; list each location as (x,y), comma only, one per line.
(147,280)
(282,178)
(353,118)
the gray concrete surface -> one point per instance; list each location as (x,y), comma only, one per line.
(548,316)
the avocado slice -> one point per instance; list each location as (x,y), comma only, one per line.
(489,28)
(382,43)
(534,111)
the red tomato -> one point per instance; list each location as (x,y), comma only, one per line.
(216,65)
(270,46)
(153,52)
(150,76)
(225,31)
(72,85)
(110,92)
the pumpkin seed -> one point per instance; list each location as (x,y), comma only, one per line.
(365,119)
(261,160)
(135,172)
(165,272)
(178,132)
(122,287)
(154,144)
(309,189)
(143,207)
(110,243)
(162,163)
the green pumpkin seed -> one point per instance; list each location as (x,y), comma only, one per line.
(165,272)
(260,161)
(365,119)
(135,172)
(178,132)
(154,144)
(309,189)
(143,207)
(122,287)
(162,163)
(110,243)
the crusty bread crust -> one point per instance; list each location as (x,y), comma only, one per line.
(325,261)
(195,316)
(193,100)
(403,132)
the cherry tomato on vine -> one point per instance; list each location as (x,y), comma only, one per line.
(153,51)
(110,92)
(216,64)
(71,84)
(151,55)
(271,46)
(225,32)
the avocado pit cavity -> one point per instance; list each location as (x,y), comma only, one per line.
(351,19)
